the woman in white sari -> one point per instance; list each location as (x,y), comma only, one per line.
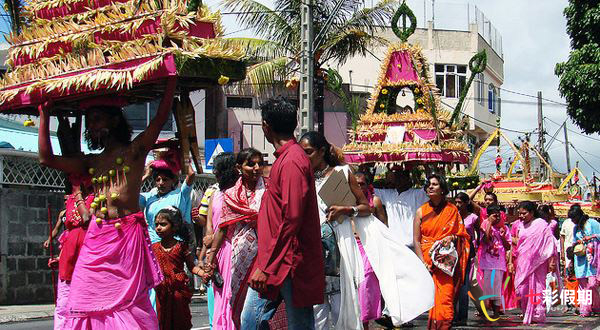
(406,285)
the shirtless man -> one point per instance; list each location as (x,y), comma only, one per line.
(116,268)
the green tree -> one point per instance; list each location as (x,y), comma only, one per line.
(275,53)
(580,74)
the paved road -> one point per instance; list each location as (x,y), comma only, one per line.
(199,321)
(556,320)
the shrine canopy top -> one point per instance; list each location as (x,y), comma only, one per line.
(71,50)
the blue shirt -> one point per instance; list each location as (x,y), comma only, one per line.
(583,268)
(151,203)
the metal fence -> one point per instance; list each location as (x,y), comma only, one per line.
(456,16)
(19,168)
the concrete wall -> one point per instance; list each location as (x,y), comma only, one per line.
(24,274)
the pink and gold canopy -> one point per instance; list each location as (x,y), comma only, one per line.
(73,49)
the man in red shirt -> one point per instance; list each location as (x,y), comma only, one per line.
(289,264)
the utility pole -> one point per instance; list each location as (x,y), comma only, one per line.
(567,148)
(307,122)
(541,138)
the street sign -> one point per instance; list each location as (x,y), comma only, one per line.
(213,147)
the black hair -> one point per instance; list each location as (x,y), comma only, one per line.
(173,215)
(161,171)
(441,180)
(494,196)
(492,209)
(122,132)
(545,212)
(367,176)
(318,142)
(225,171)
(577,215)
(465,199)
(246,155)
(530,207)
(280,115)
(570,254)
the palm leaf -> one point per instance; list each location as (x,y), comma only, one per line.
(369,20)
(264,75)
(266,22)
(261,49)
(14,8)
(347,44)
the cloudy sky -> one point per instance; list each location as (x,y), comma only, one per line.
(534,40)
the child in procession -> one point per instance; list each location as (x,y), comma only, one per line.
(172,252)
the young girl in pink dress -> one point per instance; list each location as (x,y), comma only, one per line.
(492,262)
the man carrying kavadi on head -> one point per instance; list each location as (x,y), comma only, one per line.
(116,267)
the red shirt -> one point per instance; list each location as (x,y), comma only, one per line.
(289,231)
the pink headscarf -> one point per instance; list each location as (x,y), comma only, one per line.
(169,161)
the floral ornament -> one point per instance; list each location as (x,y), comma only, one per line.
(223,80)
(382,106)
(28,123)
(416,91)
(384,91)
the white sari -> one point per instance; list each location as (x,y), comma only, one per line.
(406,285)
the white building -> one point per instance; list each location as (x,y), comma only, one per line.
(449,41)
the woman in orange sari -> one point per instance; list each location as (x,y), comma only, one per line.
(438,221)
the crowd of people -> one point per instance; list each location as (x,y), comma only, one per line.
(390,255)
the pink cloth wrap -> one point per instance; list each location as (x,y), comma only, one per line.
(223,313)
(535,248)
(401,68)
(369,293)
(114,272)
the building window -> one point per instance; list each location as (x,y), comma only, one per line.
(450,79)
(139,116)
(492,95)
(480,89)
(239,102)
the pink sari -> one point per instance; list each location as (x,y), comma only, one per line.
(508,288)
(223,316)
(114,272)
(535,248)
(240,212)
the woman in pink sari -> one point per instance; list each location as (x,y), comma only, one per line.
(237,227)
(536,251)
(227,175)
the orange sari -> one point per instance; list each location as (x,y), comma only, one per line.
(435,225)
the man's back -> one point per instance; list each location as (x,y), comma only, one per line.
(288,228)
(401,209)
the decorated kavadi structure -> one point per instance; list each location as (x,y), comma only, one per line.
(415,134)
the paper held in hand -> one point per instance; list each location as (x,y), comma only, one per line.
(336,190)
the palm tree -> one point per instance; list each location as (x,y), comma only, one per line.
(342,29)
(14,9)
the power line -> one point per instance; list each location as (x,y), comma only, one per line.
(581,156)
(574,132)
(491,125)
(532,96)
(585,160)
